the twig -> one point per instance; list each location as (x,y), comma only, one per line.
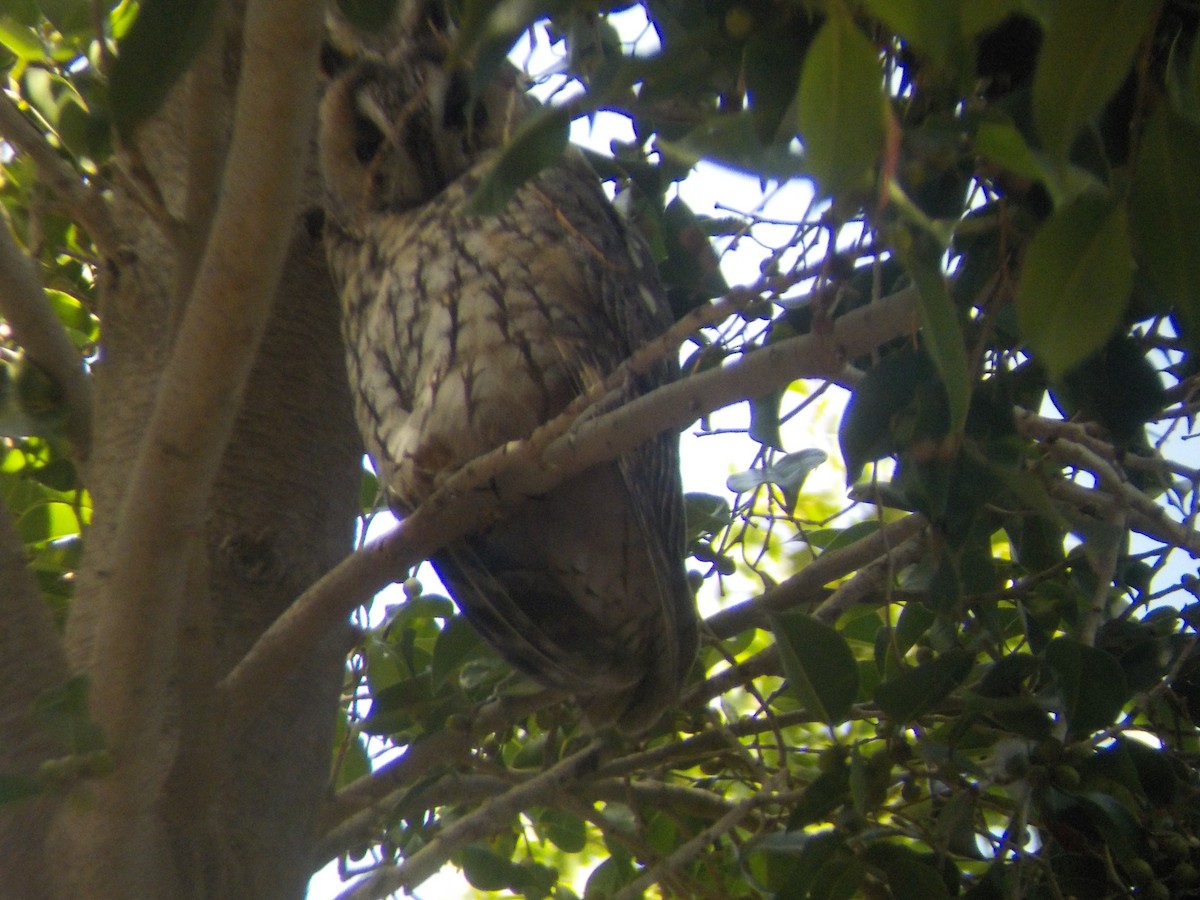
(498,481)
(44,339)
(84,202)
(689,850)
(803,587)
(445,748)
(491,816)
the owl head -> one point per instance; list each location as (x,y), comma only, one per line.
(396,131)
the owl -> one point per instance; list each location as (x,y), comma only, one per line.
(464,332)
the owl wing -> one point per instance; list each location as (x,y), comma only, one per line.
(584,588)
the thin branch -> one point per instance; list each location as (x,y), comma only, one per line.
(498,481)
(44,339)
(804,586)
(82,200)
(447,747)
(484,821)
(689,850)
(198,397)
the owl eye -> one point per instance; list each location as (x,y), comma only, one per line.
(367,139)
(458,103)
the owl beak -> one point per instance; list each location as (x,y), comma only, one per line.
(371,110)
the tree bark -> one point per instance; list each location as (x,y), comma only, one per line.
(221,814)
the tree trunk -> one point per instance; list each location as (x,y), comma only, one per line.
(231,814)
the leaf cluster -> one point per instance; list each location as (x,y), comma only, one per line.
(983,679)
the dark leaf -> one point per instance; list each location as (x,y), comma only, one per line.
(567,832)
(819,665)
(153,55)
(908,875)
(918,690)
(538,143)
(1090,683)
(1075,283)
(1164,209)
(705,514)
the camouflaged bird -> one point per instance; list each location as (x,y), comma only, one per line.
(464,332)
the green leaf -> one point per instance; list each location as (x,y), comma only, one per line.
(153,55)
(1003,144)
(71,17)
(608,878)
(1090,683)
(486,870)
(48,522)
(1164,211)
(918,690)
(73,314)
(942,335)
(705,514)
(22,41)
(457,643)
(789,473)
(538,143)
(818,663)
(840,106)
(1085,54)
(788,862)
(929,25)
(566,831)
(764,419)
(909,876)
(1075,283)
(900,401)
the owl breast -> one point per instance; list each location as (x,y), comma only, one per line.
(465,332)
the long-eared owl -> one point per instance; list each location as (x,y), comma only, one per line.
(467,331)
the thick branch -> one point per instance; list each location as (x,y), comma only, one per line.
(496,482)
(82,201)
(23,306)
(164,508)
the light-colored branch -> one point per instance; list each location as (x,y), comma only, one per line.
(803,587)
(82,200)
(476,825)
(44,339)
(198,397)
(503,478)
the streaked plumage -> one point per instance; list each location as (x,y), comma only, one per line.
(465,332)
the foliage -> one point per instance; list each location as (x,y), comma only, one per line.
(981,681)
